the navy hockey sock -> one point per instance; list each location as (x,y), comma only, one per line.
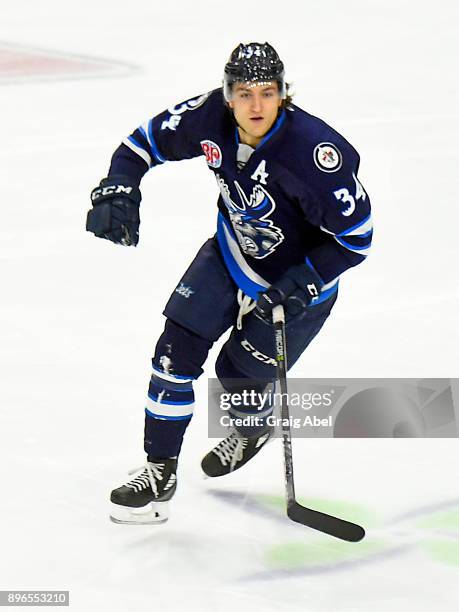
(168,412)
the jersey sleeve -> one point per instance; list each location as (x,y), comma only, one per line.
(337,203)
(173,135)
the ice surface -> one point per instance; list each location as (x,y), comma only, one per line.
(80,316)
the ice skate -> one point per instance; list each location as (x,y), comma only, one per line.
(232,453)
(144,500)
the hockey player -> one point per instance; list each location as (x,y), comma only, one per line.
(292,217)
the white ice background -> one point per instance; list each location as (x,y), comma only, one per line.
(80,316)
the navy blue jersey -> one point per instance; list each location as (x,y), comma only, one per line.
(296,200)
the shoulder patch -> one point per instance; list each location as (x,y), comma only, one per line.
(212,152)
(327,157)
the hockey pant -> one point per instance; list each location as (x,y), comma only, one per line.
(202,307)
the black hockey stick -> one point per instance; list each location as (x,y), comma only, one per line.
(332,525)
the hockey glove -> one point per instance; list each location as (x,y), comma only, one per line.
(115,212)
(295,290)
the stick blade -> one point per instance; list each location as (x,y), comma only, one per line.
(332,525)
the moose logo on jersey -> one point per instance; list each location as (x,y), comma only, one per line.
(255,232)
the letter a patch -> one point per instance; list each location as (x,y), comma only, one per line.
(260,173)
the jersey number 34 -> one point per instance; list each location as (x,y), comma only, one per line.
(345,197)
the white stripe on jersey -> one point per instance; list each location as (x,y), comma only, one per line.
(358,230)
(145,127)
(360,251)
(362,229)
(241,262)
(329,285)
(140,152)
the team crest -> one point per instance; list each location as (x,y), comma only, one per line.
(255,232)
(212,152)
(327,157)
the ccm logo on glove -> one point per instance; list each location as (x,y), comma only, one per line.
(115,212)
(111,189)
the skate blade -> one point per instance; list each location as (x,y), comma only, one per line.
(154,513)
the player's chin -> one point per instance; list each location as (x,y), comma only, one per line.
(258,129)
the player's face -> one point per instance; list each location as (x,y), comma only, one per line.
(255,109)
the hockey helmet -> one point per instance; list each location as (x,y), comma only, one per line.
(253,63)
